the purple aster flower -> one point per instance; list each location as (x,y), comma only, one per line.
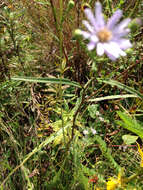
(108,37)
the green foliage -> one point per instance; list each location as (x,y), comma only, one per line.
(61,107)
(92,110)
(130,124)
(129,139)
(106,152)
(67,120)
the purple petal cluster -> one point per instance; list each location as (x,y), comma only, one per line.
(107,37)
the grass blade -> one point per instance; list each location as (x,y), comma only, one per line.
(35,150)
(113,97)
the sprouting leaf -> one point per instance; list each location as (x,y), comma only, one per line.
(129,139)
(130,124)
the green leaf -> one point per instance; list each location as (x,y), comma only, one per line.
(48,80)
(129,139)
(106,152)
(66,135)
(121,86)
(130,124)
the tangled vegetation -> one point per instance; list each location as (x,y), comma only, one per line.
(70,118)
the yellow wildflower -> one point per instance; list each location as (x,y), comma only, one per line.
(141,155)
(114,182)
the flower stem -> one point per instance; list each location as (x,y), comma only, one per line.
(139,172)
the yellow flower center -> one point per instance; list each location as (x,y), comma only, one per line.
(104,35)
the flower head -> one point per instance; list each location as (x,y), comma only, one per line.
(93,131)
(113,183)
(108,38)
(85,132)
(141,155)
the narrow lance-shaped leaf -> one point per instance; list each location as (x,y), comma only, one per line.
(48,80)
(121,86)
(112,97)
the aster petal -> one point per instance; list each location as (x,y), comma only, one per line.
(85,34)
(120,51)
(94,38)
(121,27)
(124,44)
(88,26)
(91,46)
(90,17)
(114,19)
(100,49)
(113,49)
(99,16)
(110,49)
(118,34)
(110,56)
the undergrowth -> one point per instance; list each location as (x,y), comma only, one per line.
(69,119)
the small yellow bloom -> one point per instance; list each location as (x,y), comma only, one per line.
(141,155)
(114,182)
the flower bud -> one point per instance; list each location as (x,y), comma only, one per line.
(77,32)
(71,4)
(129,51)
(135,24)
